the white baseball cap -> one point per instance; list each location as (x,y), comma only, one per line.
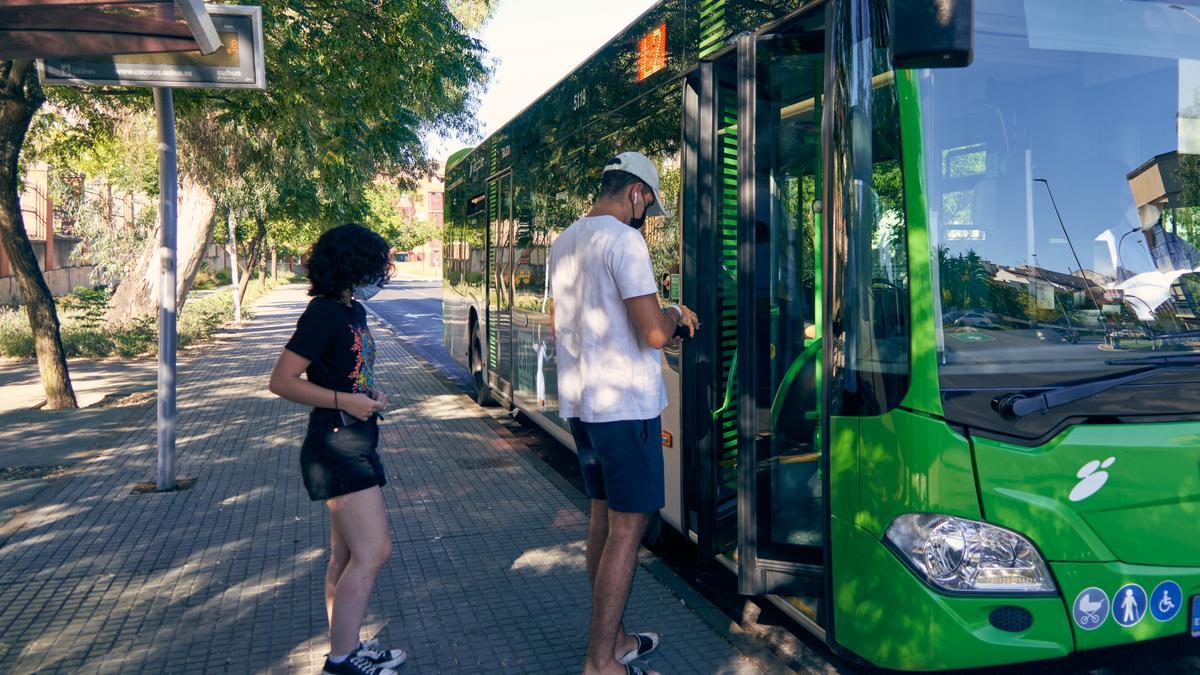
(635,163)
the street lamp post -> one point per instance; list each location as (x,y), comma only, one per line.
(1086,284)
(1183,9)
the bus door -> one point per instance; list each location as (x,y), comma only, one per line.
(501,239)
(782,510)
(710,403)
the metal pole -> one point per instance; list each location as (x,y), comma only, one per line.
(168,185)
(1086,284)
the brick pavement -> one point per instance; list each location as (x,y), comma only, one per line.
(487,574)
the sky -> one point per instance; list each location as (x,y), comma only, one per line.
(533,44)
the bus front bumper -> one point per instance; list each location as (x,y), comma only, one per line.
(888,616)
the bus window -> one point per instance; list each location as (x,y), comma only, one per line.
(869,282)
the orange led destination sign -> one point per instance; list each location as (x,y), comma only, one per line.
(652,51)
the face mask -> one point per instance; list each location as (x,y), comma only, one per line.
(367,291)
(636,222)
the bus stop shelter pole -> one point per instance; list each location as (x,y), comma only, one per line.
(165,110)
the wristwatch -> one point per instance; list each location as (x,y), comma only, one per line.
(678,311)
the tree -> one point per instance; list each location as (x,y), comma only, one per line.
(117,163)
(353,88)
(20,98)
(403,231)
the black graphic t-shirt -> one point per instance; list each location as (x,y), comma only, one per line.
(335,338)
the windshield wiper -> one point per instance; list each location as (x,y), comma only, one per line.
(1018,404)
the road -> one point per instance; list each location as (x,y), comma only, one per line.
(413,307)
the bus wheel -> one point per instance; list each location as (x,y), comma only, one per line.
(653,537)
(483,394)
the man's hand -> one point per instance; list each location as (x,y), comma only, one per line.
(655,325)
(688,319)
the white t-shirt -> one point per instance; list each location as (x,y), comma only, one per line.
(605,372)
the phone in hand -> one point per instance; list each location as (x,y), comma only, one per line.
(682,332)
(349,420)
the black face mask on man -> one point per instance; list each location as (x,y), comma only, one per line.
(636,222)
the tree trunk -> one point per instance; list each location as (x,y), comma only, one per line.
(137,296)
(233,268)
(255,255)
(20,99)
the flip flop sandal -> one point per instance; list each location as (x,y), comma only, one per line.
(647,642)
(634,670)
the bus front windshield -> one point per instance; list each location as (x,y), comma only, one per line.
(1063,169)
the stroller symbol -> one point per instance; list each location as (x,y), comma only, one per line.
(1091,608)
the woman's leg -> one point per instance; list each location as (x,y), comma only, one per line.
(361,521)
(338,558)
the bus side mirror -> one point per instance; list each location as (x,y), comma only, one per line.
(932,33)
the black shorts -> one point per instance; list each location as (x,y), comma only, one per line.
(337,460)
(622,463)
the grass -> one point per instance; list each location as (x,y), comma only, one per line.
(85,335)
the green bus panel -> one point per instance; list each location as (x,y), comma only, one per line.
(1099,493)
(911,463)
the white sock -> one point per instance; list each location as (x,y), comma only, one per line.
(338,659)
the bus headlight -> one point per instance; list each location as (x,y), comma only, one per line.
(967,556)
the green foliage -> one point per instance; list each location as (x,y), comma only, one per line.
(206,279)
(473,13)
(402,231)
(342,106)
(353,89)
(84,336)
(88,304)
(93,180)
(663,234)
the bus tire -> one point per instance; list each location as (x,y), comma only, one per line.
(654,538)
(482,392)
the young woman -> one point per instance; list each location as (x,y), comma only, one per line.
(339,460)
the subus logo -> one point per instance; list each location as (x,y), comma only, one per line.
(1093,479)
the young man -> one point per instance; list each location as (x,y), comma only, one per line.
(609,329)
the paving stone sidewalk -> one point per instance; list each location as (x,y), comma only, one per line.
(487,574)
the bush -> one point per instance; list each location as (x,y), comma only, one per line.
(83,333)
(87,304)
(16,339)
(205,279)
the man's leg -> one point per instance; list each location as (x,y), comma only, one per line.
(596,539)
(610,590)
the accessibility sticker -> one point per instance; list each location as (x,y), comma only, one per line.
(1090,608)
(1129,605)
(1166,600)
(1196,616)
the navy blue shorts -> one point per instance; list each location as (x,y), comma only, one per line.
(622,463)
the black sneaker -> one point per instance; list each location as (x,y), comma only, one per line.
(356,664)
(384,658)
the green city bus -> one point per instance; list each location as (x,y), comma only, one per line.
(944,408)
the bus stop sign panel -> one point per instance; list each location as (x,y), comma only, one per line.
(237,64)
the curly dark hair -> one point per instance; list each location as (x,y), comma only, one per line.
(347,256)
